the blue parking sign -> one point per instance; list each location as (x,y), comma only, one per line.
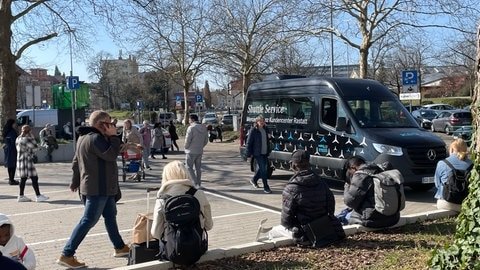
(410,77)
(73,82)
(198,98)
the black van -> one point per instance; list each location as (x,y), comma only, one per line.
(336,118)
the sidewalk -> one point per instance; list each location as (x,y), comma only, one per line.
(47,226)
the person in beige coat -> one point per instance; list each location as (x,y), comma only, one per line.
(175,181)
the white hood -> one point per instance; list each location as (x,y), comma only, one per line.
(5,220)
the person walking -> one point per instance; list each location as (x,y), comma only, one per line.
(158,141)
(67,131)
(459,160)
(133,141)
(95,173)
(258,149)
(308,201)
(48,141)
(146,133)
(173,135)
(9,149)
(26,147)
(195,140)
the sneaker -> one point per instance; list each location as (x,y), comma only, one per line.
(41,198)
(164,157)
(70,262)
(22,198)
(255,185)
(267,190)
(122,252)
(13,183)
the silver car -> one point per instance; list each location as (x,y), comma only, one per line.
(449,121)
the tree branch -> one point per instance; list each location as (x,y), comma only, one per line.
(33,42)
(27,10)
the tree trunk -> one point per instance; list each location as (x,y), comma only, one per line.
(8,71)
(363,62)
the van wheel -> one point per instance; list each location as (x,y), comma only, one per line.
(448,129)
(422,187)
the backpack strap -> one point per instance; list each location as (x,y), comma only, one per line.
(191,191)
(448,164)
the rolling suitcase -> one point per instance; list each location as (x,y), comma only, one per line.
(149,250)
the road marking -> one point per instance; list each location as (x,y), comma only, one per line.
(242,202)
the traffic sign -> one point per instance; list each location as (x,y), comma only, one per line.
(198,98)
(73,82)
(409,77)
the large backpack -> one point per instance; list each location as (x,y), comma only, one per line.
(388,192)
(185,240)
(455,189)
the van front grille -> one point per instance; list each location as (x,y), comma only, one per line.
(425,159)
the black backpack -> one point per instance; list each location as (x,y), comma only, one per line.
(455,189)
(184,239)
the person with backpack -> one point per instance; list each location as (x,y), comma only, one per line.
(308,206)
(451,177)
(181,218)
(363,201)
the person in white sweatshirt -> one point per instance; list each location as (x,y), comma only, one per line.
(13,246)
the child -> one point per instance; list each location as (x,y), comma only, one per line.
(12,246)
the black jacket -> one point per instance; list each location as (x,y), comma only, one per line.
(359,195)
(305,198)
(254,142)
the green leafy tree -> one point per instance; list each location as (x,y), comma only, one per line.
(464,252)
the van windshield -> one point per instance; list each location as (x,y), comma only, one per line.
(376,113)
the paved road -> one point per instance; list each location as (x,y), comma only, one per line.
(237,207)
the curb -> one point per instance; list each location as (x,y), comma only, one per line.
(233,251)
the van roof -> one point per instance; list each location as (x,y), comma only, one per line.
(345,87)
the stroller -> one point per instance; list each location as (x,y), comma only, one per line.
(132,163)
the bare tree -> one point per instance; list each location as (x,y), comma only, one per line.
(172,36)
(247,32)
(26,23)
(377,19)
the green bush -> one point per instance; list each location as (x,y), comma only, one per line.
(458,102)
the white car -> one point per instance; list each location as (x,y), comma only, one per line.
(210,118)
(166,135)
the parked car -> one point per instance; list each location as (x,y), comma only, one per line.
(439,107)
(449,121)
(165,118)
(227,119)
(166,134)
(424,117)
(412,108)
(210,118)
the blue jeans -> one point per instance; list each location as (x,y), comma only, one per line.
(95,206)
(262,161)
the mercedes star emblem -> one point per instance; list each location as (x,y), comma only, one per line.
(431,154)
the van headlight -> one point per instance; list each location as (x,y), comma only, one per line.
(388,149)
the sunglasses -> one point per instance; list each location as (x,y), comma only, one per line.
(109,124)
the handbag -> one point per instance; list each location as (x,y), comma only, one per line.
(142,225)
(322,231)
(34,158)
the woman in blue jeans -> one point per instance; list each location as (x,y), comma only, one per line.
(258,148)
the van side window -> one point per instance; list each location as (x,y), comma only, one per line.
(329,111)
(297,108)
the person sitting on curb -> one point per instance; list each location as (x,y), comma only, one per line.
(308,206)
(359,196)
(48,141)
(459,160)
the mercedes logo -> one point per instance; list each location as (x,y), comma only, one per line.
(431,154)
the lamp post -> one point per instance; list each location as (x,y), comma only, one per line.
(72,92)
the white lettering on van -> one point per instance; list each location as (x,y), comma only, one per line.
(255,109)
(275,109)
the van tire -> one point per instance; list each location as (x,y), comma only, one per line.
(421,187)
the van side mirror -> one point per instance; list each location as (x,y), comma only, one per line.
(341,124)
